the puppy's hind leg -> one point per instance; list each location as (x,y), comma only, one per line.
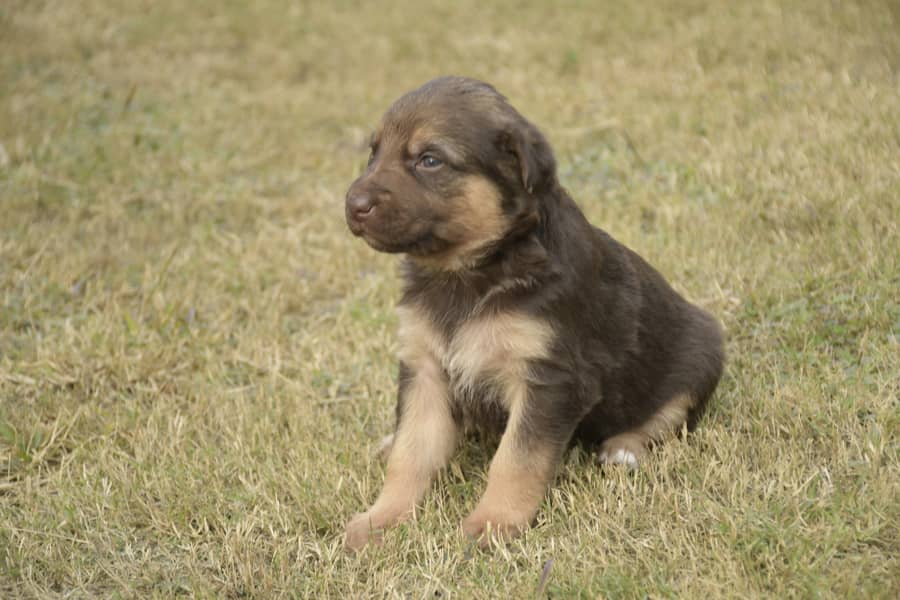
(628,448)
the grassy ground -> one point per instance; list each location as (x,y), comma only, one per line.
(196,358)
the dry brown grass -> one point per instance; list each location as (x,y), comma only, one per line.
(196,359)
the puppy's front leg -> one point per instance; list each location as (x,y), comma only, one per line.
(425,438)
(521,471)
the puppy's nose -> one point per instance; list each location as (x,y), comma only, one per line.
(360,205)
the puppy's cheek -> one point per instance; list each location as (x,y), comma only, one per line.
(394,229)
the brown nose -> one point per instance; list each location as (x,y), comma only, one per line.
(360,206)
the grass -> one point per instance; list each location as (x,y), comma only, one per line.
(196,358)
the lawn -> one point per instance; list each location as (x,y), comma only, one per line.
(197,358)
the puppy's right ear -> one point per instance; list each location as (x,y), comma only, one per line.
(537,167)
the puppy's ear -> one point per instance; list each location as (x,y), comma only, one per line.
(537,167)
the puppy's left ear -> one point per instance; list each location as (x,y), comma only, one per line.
(537,167)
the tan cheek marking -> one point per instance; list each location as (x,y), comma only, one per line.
(481,215)
(477,221)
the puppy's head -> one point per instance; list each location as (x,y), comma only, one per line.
(454,170)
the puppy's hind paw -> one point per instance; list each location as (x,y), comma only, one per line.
(619,457)
(624,449)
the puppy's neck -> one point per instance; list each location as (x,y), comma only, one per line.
(520,257)
(446,263)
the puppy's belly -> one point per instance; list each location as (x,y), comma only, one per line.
(480,410)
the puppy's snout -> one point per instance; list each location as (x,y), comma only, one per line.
(360,205)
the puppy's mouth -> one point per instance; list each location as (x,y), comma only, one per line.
(369,232)
(356,228)
(364,230)
(423,243)
(380,246)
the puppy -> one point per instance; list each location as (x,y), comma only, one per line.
(517,315)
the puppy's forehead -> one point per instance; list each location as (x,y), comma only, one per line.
(450,108)
(445,96)
(413,136)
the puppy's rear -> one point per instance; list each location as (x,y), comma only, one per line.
(516,314)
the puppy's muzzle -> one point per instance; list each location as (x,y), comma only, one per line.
(360,207)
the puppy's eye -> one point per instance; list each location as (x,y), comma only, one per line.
(429,161)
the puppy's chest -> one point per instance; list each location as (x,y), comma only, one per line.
(483,360)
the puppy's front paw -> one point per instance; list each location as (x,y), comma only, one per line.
(360,531)
(489,526)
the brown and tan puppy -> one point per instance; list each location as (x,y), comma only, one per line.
(517,315)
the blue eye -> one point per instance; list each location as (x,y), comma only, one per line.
(430,162)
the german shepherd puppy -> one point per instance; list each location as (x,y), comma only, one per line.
(517,315)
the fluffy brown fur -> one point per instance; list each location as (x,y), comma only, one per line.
(517,315)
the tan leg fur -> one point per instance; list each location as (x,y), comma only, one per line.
(517,481)
(630,447)
(425,438)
